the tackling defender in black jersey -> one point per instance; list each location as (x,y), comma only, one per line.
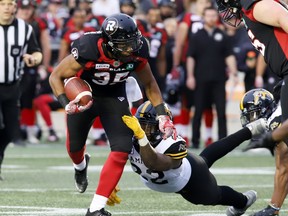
(166,166)
(105,59)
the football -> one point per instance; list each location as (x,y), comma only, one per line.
(77,87)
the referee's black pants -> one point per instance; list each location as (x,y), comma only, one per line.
(9,115)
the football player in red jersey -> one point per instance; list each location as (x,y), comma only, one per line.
(106,58)
(158,40)
(166,166)
(267,25)
(129,7)
(71,33)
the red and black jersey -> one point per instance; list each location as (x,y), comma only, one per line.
(105,75)
(91,21)
(157,40)
(94,21)
(71,34)
(143,28)
(53,24)
(194,23)
(38,25)
(271,42)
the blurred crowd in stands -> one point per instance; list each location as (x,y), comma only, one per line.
(192,55)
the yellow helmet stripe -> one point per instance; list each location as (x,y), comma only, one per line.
(144,108)
(241,103)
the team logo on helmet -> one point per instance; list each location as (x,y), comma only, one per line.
(74,52)
(259,95)
(111,26)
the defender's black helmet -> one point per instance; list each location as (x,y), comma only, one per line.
(255,104)
(146,115)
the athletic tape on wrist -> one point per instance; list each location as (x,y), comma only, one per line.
(144,141)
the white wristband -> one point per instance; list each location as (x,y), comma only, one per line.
(143,142)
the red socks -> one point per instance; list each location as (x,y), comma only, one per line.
(111,173)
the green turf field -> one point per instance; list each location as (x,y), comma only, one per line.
(39,181)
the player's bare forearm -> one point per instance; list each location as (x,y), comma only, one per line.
(154,160)
(151,87)
(68,67)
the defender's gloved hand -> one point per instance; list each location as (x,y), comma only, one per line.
(258,127)
(73,107)
(265,141)
(167,127)
(133,123)
(113,198)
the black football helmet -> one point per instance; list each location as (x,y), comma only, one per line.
(230,11)
(121,36)
(255,104)
(146,115)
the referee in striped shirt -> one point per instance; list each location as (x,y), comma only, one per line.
(18,46)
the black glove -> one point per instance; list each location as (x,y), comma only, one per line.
(265,141)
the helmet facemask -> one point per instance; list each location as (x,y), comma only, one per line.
(151,129)
(146,115)
(250,116)
(122,49)
(230,12)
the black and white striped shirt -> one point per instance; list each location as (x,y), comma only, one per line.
(16,39)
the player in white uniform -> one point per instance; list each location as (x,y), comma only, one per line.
(166,165)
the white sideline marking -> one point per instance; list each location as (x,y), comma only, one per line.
(219,171)
(36,211)
(31,210)
(98,168)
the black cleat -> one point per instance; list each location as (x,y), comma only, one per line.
(81,178)
(101,212)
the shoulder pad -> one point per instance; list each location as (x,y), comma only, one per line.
(274,121)
(177,149)
(86,46)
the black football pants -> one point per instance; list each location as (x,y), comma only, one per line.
(202,187)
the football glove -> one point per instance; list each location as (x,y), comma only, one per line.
(258,127)
(73,107)
(133,123)
(113,198)
(167,127)
(265,141)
